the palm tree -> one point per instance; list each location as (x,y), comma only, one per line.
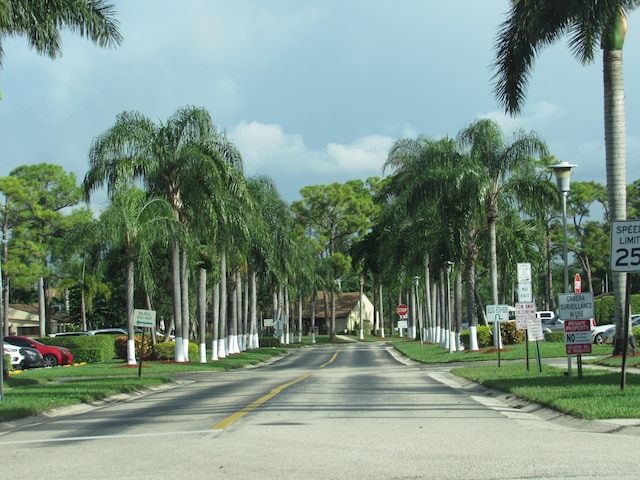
(131,224)
(503,170)
(166,157)
(531,26)
(41,23)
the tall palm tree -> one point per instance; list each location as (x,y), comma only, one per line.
(531,26)
(165,157)
(504,170)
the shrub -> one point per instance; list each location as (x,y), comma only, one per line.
(86,348)
(510,333)
(554,336)
(147,349)
(167,351)
(269,342)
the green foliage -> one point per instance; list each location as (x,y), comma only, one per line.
(605,309)
(147,349)
(86,348)
(269,342)
(485,336)
(554,337)
(510,334)
(167,351)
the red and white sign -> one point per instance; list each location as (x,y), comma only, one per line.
(402,310)
(577,284)
(577,335)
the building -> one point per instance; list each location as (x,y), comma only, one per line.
(347,313)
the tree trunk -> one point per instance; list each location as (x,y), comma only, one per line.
(202,313)
(177,300)
(131,344)
(254,339)
(616,157)
(222,337)
(215,310)
(41,307)
(184,295)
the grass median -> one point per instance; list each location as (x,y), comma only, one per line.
(597,395)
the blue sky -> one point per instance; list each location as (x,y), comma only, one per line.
(311,92)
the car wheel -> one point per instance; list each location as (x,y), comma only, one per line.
(50,360)
(598,339)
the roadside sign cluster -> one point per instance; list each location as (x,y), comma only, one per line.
(526,307)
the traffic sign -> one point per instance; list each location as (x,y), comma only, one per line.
(575,306)
(144,318)
(524,273)
(577,284)
(525,292)
(625,245)
(577,334)
(525,313)
(497,313)
(402,310)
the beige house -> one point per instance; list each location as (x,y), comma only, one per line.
(347,313)
(25,320)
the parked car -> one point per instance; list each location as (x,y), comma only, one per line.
(68,334)
(52,355)
(14,352)
(552,325)
(610,333)
(107,331)
(24,357)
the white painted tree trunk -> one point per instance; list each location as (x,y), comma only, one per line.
(473,338)
(131,351)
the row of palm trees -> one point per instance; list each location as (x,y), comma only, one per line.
(197,203)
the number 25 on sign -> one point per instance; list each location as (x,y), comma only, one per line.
(625,245)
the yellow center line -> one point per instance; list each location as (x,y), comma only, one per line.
(332,359)
(241,413)
(238,415)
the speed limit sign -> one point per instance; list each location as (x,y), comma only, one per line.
(625,245)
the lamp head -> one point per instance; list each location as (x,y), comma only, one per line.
(562,171)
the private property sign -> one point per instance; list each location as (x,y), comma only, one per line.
(577,335)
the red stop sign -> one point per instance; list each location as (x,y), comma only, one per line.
(577,284)
(402,310)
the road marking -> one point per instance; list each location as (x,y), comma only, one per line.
(238,415)
(331,360)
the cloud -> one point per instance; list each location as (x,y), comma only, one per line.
(267,149)
(539,113)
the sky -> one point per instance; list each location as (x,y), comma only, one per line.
(312,92)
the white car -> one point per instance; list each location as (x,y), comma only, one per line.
(16,357)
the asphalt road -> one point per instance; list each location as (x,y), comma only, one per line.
(327,412)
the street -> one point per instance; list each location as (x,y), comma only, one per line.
(345,411)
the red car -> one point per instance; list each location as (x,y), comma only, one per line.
(52,355)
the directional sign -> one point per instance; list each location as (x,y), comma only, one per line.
(144,318)
(625,245)
(268,322)
(575,306)
(497,313)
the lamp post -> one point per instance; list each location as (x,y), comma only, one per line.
(416,308)
(562,171)
(361,319)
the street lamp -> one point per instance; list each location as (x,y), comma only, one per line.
(562,171)
(416,308)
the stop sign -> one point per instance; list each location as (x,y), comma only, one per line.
(402,310)
(577,284)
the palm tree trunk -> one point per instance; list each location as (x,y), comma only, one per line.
(177,300)
(616,155)
(202,312)
(254,339)
(215,310)
(184,295)
(222,337)
(131,345)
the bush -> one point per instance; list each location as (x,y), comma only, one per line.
(269,342)
(86,348)
(147,349)
(510,333)
(167,351)
(554,336)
